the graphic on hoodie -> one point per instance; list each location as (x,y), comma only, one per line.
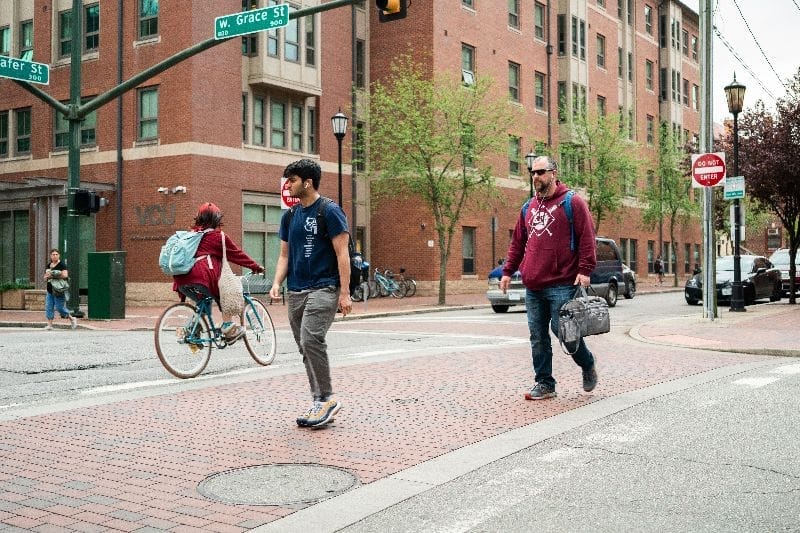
(541,220)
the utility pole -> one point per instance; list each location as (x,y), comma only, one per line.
(706,146)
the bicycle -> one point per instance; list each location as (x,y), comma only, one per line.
(185,332)
(409,283)
(387,285)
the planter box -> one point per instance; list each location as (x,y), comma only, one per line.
(12,299)
(34,299)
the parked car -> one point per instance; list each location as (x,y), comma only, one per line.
(780,258)
(759,280)
(629,287)
(607,280)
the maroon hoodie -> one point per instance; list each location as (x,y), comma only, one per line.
(544,258)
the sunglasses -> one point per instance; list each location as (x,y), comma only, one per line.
(541,171)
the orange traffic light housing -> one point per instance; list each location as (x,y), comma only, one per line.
(390,10)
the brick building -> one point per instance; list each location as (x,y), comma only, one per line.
(222,125)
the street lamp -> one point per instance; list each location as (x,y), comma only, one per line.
(735,95)
(529,163)
(339,123)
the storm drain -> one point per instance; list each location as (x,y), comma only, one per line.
(278,484)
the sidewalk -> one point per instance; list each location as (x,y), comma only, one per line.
(148,462)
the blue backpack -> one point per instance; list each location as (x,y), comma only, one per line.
(567,203)
(177,255)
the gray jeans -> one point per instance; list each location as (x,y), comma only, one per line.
(311,314)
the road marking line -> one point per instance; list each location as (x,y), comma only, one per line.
(755,382)
(787,369)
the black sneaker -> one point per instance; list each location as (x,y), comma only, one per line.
(541,392)
(589,379)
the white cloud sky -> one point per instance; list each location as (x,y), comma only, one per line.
(776,27)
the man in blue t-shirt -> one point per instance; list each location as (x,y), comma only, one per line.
(313,265)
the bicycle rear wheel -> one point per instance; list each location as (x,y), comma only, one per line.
(373,288)
(183,340)
(259,334)
(397,290)
(411,287)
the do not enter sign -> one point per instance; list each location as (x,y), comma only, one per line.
(708,170)
(287,200)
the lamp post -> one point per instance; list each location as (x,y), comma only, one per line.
(529,163)
(735,95)
(339,123)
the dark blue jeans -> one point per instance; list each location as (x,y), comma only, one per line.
(543,306)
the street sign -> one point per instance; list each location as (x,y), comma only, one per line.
(267,18)
(19,69)
(708,170)
(287,201)
(734,188)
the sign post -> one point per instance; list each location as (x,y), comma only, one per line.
(267,18)
(19,69)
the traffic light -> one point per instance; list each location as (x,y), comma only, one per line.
(391,9)
(87,202)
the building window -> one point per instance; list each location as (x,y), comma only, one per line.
(259,121)
(662,83)
(5,41)
(467,64)
(22,117)
(514,152)
(291,44)
(619,9)
(696,97)
(297,128)
(261,218)
(685,42)
(468,3)
(694,47)
(278,125)
(311,40)
(578,100)
(61,131)
(148,18)
(91,28)
(685,92)
(630,67)
(538,90)
(601,3)
(3,134)
(648,19)
(648,74)
(148,114)
(601,51)
(64,33)
(651,121)
(273,48)
(621,62)
(630,12)
(561,30)
(311,131)
(601,105)
(360,80)
(358,150)
(631,125)
(538,21)
(662,31)
(468,251)
(562,101)
(513,81)
(26,40)
(244,117)
(578,38)
(513,14)
(250,45)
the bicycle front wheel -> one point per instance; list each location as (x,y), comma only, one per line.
(259,334)
(183,340)
(411,287)
(397,290)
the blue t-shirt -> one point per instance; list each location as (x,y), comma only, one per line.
(312,259)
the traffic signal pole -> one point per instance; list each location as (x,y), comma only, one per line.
(77,111)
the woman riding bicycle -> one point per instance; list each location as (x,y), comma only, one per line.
(204,276)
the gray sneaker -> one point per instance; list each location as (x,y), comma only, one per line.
(589,379)
(541,392)
(233,334)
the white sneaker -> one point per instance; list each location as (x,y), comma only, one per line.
(73,322)
(48,327)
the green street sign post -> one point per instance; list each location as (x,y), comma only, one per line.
(734,188)
(19,69)
(267,18)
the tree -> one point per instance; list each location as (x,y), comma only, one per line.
(432,138)
(602,160)
(669,198)
(768,155)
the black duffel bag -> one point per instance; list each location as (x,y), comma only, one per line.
(580,317)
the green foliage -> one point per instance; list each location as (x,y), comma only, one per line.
(432,139)
(14,285)
(602,160)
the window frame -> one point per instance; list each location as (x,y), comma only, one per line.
(25,47)
(5,40)
(143,121)
(24,136)
(514,155)
(147,28)
(514,70)
(648,74)
(5,125)
(601,51)
(648,19)
(538,20)
(539,84)
(513,14)
(94,34)
(275,127)
(468,245)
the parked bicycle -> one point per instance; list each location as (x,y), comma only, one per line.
(409,283)
(185,332)
(387,285)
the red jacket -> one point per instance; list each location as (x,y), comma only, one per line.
(544,257)
(206,270)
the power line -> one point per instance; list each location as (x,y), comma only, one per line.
(757,43)
(741,62)
(796,4)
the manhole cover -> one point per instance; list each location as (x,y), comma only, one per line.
(280,484)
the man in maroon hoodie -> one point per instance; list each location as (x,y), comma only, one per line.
(553,257)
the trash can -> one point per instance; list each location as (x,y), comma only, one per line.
(106,284)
